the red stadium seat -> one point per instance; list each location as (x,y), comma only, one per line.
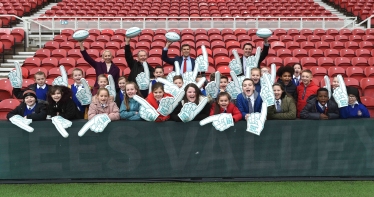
(154,61)
(363,53)
(286,38)
(277,45)
(221,61)
(31,62)
(368,101)
(333,71)
(343,62)
(354,83)
(51,45)
(291,45)
(367,85)
(322,45)
(290,61)
(58,54)
(319,32)
(337,45)
(299,53)
(308,62)
(217,44)
(120,62)
(318,73)
(325,62)
(276,60)
(42,53)
(60,38)
(283,53)
(360,61)
(5,89)
(53,73)
(49,63)
(307,45)
(328,38)
(332,32)
(220,52)
(75,54)
(349,53)
(27,82)
(225,70)
(366,45)
(316,53)
(280,32)
(38,69)
(6,106)
(341,38)
(68,63)
(332,53)
(369,71)
(355,72)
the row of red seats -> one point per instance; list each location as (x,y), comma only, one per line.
(192,1)
(362,9)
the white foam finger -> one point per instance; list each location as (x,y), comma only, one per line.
(217,78)
(146,69)
(63,73)
(342,84)
(273,72)
(208,120)
(85,128)
(18,69)
(177,68)
(328,85)
(264,110)
(61,129)
(205,53)
(85,85)
(164,81)
(201,82)
(257,56)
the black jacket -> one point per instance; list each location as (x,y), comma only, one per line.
(310,109)
(203,114)
(40,112)
(18,92)
(65,107)
(135,66)
(264,53)
(291,89)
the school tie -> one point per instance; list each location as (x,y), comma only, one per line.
(278,106)
(296,81)
(224,111)
(250,105)
(185,65)
(158,102)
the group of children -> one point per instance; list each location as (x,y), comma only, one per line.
(296,95)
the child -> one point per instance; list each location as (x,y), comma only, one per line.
(102,80)
(198,77)
(335,83)
(355,108)
(285,74)
(223,83)
(223,105)
(154,99)
(193,95)
(122,91)
(255,76)
(61,104)
(39,87)
(306,88)
(249,101)
(320,107)
(77,75)
(178,80)
(129,107)
(159,72)
(296,76)
(29,108)
(285,107)
(102,104)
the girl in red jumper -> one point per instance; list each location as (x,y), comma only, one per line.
(223,105)
(154,99)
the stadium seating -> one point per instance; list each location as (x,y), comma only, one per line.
(6,106)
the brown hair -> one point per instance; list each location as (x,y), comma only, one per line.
(177,77)
(102,76)
(126,98)
(40,73)
(102,89)
(185,45)
(248,79)
(307,71)
(247,44)
(158,85)
(217,107)
(78,69)
(225,77)
(160,67)
(284,93)
(212,76)
(121,78)
(197,92)
(254,69)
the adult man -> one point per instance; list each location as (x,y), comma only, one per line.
(247,53)
(186,63)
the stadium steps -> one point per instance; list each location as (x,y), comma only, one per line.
(37,14)
(10,59)
(330,8)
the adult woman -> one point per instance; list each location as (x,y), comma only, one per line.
(193,95)
(105,67)
(284,108)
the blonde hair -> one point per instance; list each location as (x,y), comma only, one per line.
(106,50)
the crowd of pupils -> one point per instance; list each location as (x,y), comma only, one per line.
(297,96)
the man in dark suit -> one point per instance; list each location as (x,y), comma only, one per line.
(247,52)
(186,63)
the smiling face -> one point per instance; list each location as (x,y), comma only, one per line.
(103,96)
(255,76)
(56,96)
(142,56)
(335,83)
(286,78)
(122,84)
(158,94)
(178,82)
(322,97)
(107,57)
(247,51)
(297,69)
(223,101)
(131,90)
(352,99)
(40,80)
(158,72)
(30,100)
(77,76)
(223,84)
(186,51)
(248,87)
(277,91)
(306,78)
(102,81)
(191,94)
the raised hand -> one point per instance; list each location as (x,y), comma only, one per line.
(190,76)
(15,76)
(142,79)
(146,110)
(220,121)
(256,121)
(61,124)
(97,124)
(327,84)
(61,80)
(168,104)
(267,93)
(273,73)
(233,88)
(252,62)
(340,93)
(202,62)
(174,73)
(235,64)
(111,87)
(170,87)
(190,110)
(22,123)
(212,88)
(84,94)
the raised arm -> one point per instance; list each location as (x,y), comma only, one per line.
(87,57)
(264,52)
(165,57)
(128,54)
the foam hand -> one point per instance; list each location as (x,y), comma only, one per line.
(61,80)
(273,73)
(233,88)
(340,93)
(61,124)
(97,124)
(84,94)
(168,104)
(170,87)
(202,62)
(327,84)
(190,76)
(220,121)
(212,88)
(256,121)
(15,76)
(146,110)
(111,87)
(190,110)
(252,61)
(22,123)
(143,78)
(267,93)
(235,64)
(174,73)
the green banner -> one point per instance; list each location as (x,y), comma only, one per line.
(139,149)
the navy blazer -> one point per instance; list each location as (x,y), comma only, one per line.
(264,53)
(242,104)
(171,61)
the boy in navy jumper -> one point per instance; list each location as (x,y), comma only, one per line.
(122,81)
(77,75)
(255,76)
(250,100)
(159,72)
(39,87)
(320,107)
(30,108)
(355,108)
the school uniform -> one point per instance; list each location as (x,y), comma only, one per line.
(82,109)
(109,108)
(119,98)
(36,112)
(40,91)
(313,109)
(283,109)
(154,103)
(231,108)
(303,93)
(65,107)
(352,111)
(204,113)
(242,101)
